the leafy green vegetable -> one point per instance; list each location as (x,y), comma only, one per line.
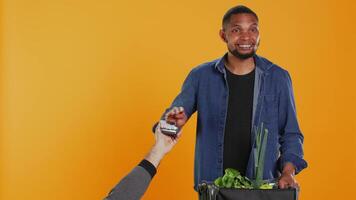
(267,186)
(218,182)
(233,179)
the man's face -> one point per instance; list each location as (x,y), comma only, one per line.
(241,35)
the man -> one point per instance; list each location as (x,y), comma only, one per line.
(134,185)
(232,95)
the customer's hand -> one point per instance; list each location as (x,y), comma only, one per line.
(162,146)
(176,116)
(164,143)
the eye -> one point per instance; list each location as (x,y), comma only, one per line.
(253,30)
(236,30)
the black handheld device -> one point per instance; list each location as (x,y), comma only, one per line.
(169,129)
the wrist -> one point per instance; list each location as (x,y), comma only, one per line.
(157,151)
(288,169)
(155,156)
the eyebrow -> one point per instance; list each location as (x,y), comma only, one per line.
(255,24)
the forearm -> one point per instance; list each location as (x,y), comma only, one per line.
(292,151)
(291,138)
(186,98)
(134,184)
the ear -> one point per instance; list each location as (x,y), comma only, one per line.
(222,35)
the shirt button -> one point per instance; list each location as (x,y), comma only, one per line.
(220,161)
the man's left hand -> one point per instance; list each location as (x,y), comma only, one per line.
(287,179)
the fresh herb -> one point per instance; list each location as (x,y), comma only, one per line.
(233,179)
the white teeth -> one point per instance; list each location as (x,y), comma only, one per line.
(244,45)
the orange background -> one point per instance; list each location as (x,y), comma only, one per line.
(82,82)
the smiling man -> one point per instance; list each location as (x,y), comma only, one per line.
(233,94)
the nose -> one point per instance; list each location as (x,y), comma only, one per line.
(245,35)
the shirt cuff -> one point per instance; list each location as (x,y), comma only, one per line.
(149,167)
(298,162)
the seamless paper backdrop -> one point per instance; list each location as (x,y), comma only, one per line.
(82,82)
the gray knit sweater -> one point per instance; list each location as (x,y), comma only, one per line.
(132,186)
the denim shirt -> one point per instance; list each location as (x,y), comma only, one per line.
(205,90)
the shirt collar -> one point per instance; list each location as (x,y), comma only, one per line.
(260,64)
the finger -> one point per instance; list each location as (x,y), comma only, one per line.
(175,142)
(297,186)
(179,116)
(282,184)
(177,137)
(171,111)
(158,127)
(171,116)
(173,138)
(179,134)
(176,110)
(168,114)
(293,184)
(180,109)
(171,120)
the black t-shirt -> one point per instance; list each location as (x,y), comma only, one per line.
(237,138)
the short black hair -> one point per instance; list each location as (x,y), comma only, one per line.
(241,9)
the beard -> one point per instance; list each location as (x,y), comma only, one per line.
(244,56)
(241,56)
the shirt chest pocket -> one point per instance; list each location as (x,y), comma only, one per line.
(270,109)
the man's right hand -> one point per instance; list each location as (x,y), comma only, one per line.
(176,116)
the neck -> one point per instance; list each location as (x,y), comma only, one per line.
(239,66)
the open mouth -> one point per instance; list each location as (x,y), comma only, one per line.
(245,46)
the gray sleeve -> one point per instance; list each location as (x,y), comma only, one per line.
(132,186)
